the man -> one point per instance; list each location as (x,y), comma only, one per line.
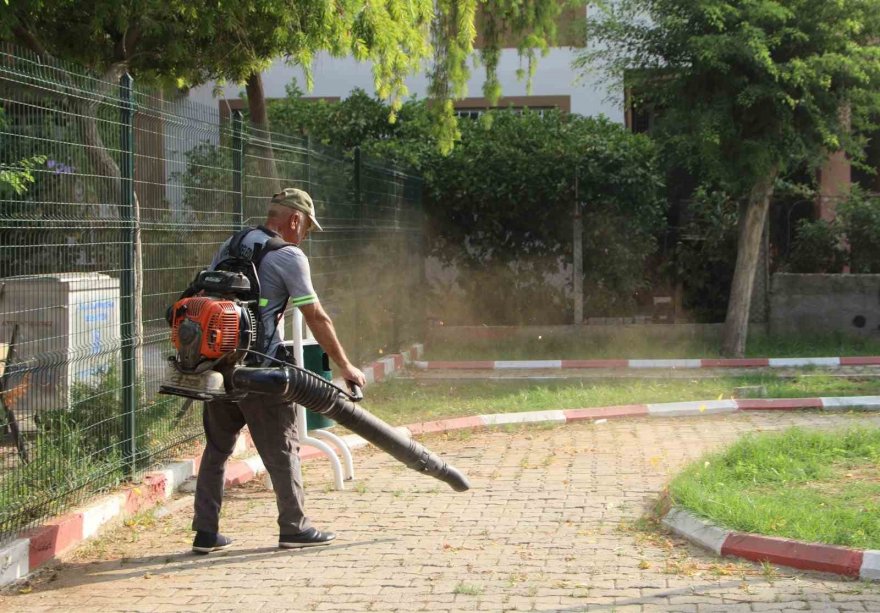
(284,274)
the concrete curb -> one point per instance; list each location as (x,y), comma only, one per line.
(37,546)
(666,409)
(692,528)
(856,563)
(834,362)
(382,368)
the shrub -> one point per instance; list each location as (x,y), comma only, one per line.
(860,218)
(817,248)
(500,206)
(705,254)
(853,239)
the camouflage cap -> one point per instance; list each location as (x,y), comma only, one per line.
(299,200)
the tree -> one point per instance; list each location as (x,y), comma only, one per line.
(189,43)
(397,36)
(746,90)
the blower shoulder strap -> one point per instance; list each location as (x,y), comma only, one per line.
(259,251)
(253,257)
(236,240)
(273,244)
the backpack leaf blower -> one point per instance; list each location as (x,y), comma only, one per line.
(215,328)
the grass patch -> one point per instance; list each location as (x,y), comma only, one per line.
(402,401)
(468,589)
(632,345)
(811,486)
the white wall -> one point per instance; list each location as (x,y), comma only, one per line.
(338,76)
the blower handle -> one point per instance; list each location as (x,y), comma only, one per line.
(357,394)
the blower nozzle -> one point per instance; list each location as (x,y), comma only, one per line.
(318,395)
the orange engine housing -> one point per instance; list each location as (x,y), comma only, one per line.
(218,319)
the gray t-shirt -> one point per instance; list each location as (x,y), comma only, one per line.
(284,275)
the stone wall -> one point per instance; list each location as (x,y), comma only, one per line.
(825,304)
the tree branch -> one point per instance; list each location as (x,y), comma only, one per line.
(29,40)
(126,42)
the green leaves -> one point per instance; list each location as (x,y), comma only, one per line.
(500,204)
(860,218)
(817,248)
(505,197)
(819,245)
(20,175)
(769,77)
(193,42)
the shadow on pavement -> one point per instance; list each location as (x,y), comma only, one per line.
(157,565)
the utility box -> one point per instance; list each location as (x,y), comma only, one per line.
(317,361)
(66,329)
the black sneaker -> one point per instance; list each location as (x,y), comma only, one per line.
(206,542)
(307,538)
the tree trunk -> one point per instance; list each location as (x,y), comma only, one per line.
(104,166)
(578,264)
(261,139)
(752,218)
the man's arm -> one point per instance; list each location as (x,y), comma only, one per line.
(322,327)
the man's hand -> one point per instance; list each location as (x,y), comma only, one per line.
(353,374)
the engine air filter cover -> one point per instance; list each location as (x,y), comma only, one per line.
(206,328)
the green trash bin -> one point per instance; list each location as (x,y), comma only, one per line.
(317,361)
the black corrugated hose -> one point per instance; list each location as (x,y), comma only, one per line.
(319,395)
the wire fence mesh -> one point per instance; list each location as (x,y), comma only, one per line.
(112,197)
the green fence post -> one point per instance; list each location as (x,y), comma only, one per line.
(238,167)
(127,273)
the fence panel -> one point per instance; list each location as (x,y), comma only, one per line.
(96,181)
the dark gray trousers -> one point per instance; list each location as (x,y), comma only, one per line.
(273,427)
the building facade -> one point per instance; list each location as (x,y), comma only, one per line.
(554,85)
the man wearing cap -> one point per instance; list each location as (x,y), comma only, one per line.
(284,275)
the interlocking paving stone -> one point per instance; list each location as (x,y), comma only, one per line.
(546,527)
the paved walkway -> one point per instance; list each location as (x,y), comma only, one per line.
(548,526)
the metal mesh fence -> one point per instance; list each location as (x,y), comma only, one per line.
(112,197)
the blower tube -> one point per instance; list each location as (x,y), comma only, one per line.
(320,396)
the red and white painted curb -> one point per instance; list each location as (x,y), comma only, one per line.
(647,364)
(665,409)
(39,545)
(860,564)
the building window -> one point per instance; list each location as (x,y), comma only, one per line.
(470,113)
(639,117)
(640,114)
(472,108)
